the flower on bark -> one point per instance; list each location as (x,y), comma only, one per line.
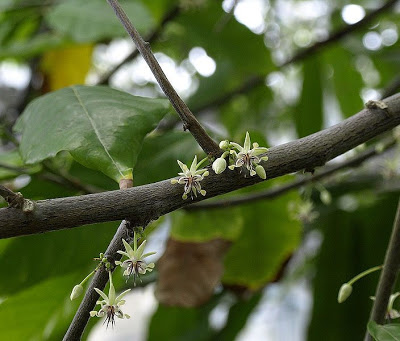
(391,313)
(110,305)
(135,264)
(249,157)
(191,178)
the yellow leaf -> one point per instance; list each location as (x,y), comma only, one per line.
(68,66)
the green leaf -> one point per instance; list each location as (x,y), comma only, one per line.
(308,115)
(13,159)
(93,20)
(32,259)
(204,225)
(347,80)
(387,332)
(27,315)
(267,239)
(237,318)
(33,46)
(182,324)
(102,128)
(348,241)
(157,160)
(221,42)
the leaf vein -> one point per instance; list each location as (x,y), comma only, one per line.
(92,123)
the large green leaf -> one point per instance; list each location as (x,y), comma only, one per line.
(182,324)
(93,20)
(347,80)
(237,318)
(353,242)
(13,160)
(157,160)
(204,225)
(308,115)
(30,314)
(102,128)
(33,46)
(388,332)
(267,239)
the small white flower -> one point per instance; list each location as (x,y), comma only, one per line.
(135,264)
(110,305)
(191,178)
(249,157)
(390,312)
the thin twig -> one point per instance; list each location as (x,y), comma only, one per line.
(99,281)
(279,190)
(171,15)
(388,276)
(189,120)
(339,34)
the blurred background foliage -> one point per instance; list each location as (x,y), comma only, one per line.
(281,266)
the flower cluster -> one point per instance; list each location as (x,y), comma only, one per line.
(135,264)
(110,305)
(238,157)
(242,157)
(191,178)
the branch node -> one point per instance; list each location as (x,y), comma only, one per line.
(17,200)
(372,105)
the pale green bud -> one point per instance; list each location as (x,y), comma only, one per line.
(219,165)
(261,172)
(344,292)
(76,291)
(326,197)
(224,145)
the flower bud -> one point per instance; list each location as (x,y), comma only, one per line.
(344,292)
(76,291)
(219,165)
(224,145)
(261,172)
(326,197)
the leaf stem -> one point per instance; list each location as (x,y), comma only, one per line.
(364,273)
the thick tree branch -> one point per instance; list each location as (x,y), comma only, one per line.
(388,275)
(339,34)
(99,281)
(189,120)
(148,202)
(281,189)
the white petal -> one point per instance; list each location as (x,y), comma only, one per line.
(102,294)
